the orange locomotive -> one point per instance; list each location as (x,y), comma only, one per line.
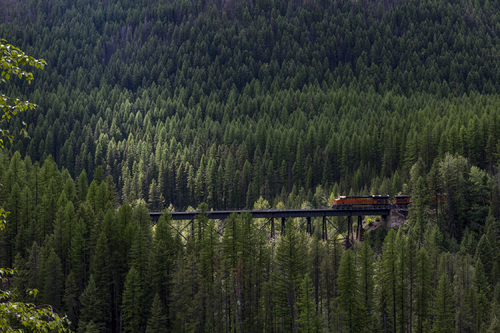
(362,200)
(402,200)
(370,201)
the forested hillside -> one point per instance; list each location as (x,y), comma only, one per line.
(104,266)
(153,105)
(212,102)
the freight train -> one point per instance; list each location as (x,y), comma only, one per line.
(363,201)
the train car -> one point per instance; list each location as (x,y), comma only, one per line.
(361,201)
(401,200)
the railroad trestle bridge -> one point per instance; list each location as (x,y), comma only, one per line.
(283,214)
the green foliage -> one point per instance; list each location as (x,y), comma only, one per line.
(22,316)
(164,253)
(12,59)
(229,276)
(224,112)
(366,287)
(92,313)
(237,104)
(453,171)
(308,319)
(17,316)
(291,263)
(417,209)
(444,305)
(349,296)
(133,298)
(158,322)
(422,291)
(388,276)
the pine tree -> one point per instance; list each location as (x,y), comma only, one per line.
(164,253)
(494,324)
(34,266)
(417,209)
(444,306)
(78,256)
(348,287)
(231,250)
(207,266)
(316,255)
(402,291)
(184,303)
(52,277)
(290,261)
(466,296)
(453,172)
(366,287)
(93,312)
(422,290)
(70,299)
(388,279)
(228,182)
(483,290)
(109,267)
(20,281)
(133,319)
(101,274)
(250,270)
(12,227)
(154,197)
(411,258)
(158,322)
(139,276)
(308,320)
(480,278)
(485,253)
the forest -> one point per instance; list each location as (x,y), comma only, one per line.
(181,105)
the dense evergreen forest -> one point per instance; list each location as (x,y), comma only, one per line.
(161,105)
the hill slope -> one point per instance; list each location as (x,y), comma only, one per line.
(225,101)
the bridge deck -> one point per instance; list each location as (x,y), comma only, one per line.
(282,213)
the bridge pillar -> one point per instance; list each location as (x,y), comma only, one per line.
(309,227)
(283,222)
(324,232)
(192,228)
(272,227)
(386,220)
(349,232)
(359,231)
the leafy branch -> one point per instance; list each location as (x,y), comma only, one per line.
(11,60)
(20,316)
